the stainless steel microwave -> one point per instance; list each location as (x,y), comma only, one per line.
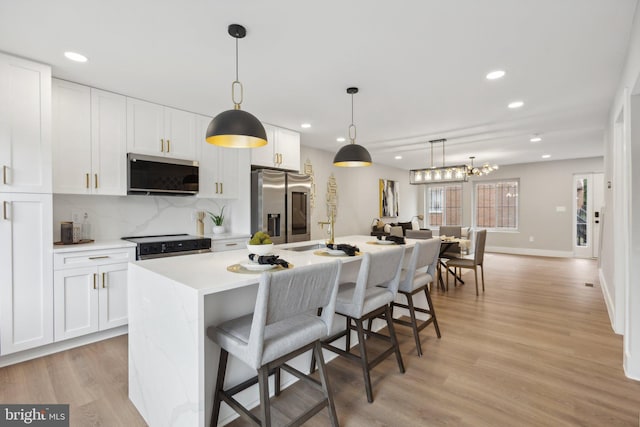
(152,175)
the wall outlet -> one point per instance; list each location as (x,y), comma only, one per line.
(531,239)
(77,216)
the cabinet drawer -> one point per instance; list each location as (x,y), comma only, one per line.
(92,258)
(228,245)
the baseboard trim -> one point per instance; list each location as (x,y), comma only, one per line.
(56,347)
(630,371)
(528,251)
(608,302)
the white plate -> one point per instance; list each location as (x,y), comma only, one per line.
(334,252)
(254,266)
(386,242)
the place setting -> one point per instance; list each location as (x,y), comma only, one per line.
(388,241)
(338,249)
(261,257)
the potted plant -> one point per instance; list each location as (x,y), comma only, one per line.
(218,220)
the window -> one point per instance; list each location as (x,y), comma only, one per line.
(444,204)
(496,205)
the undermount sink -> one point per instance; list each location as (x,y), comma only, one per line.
(306,247)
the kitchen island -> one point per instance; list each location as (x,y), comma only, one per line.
(172,301)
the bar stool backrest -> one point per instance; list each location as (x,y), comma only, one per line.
(377,269)
(286,294)
(422,265)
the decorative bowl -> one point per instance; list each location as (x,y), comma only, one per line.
(260,249)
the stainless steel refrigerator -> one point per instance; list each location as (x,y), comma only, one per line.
(280,205)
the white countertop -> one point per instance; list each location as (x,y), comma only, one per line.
(207,273)
(97,245)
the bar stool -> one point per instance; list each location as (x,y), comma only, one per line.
(369,297)
(416,278)
(283,325)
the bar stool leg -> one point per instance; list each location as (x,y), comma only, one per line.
(265,408)
(222,369)
(394,339)
(276,381)
(433,311)
(324,378)
(365,360)
(347,345)
(414,323)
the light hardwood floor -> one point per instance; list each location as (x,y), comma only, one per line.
(536,349)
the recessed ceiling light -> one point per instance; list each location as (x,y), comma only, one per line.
(75,57)
(535,139)
(546,156)
(515,104)
(494,75)
(341,139)
(398,157)
(305,125)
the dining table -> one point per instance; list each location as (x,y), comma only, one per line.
(448,243)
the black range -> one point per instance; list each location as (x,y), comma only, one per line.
(169,245)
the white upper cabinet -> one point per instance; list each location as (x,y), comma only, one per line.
(25,123)
(89,140)
(220,167)
(159,131)
(282,150)
(108,143)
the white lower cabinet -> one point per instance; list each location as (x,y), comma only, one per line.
(26,288)
(90,291)
(228,244)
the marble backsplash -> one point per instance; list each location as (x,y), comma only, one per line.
(112,217)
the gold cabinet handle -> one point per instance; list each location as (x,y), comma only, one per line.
(161,145)
(95,278)
(104,280)
(86,179)
(4,174)
(275,158)
(221,188)
(168,145)
(4,210)
(99,257)
(96,180)
(231,244)
(216,188)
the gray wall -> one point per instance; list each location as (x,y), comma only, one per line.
(358,198)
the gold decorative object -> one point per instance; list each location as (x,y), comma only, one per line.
(308,170)
(332,197)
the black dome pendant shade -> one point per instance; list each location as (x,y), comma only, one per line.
(352,154)
(236,128)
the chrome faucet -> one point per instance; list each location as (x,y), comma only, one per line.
(331,224)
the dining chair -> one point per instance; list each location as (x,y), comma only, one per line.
(475,260)
(368,298)
(420,272)
(283,325)
(454,251)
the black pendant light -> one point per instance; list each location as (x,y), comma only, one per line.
(352,154)
(236,128)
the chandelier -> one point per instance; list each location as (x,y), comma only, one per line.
(456,173)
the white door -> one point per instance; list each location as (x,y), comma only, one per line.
(71,137)
(76,302)
(109,143)
(588,200)
(265,155)
(26,279)
(145,128)
(179,129)
(113,295)
(25,126)
(289,149)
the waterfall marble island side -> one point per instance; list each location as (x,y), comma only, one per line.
(172,364)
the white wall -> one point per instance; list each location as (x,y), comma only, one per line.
(544,186)
(621,246)
(358,194)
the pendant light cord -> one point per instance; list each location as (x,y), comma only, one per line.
(352,126)
(237,82)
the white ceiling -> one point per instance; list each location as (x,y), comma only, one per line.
(420,66)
